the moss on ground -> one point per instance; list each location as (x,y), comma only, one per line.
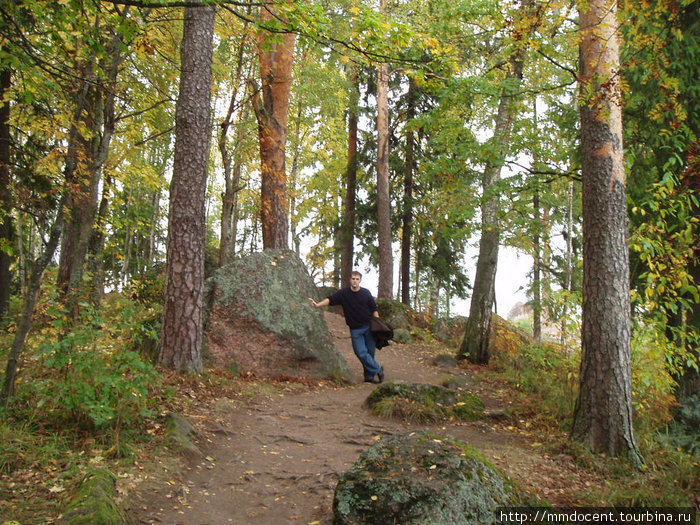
(94,503)
(423,402)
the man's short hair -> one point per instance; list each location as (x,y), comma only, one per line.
(355,272)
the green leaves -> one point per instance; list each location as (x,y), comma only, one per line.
(90,378)
(665,243)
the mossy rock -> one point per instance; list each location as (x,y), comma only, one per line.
(94,503)
(446,360)
(180,435)
(423,402)
(402,336)
(423,478)
(451,330)
(397,314)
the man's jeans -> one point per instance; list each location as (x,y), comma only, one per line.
(365,348)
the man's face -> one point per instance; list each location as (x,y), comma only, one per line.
(355,282)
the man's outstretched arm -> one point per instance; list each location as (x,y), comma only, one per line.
(319,304)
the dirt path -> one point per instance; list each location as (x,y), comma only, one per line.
(276,460)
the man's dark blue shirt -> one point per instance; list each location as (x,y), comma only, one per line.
(358,307)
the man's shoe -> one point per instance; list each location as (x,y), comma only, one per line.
(375,381)
(380,375)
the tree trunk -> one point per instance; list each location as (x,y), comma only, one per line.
(97,244)
(25,321)
(231,168)
(475,345)
(569,271)
(603,413)
(347,229)
(536,245)
(276,57)
(104,130)
(536,270)
(293,176)
(386,263)
(80,235)
(182,332)
(6,200)
(407,217)
(82,184)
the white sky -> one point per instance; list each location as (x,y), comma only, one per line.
(512,275)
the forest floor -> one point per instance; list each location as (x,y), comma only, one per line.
(274,456)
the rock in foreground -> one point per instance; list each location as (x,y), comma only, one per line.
(422,478)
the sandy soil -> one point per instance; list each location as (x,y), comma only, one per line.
(276,459)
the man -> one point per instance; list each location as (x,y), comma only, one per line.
(358,308)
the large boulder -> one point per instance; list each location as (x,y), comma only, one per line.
(421,478)
(260,320)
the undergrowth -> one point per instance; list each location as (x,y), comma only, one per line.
(86,394)
(544,381)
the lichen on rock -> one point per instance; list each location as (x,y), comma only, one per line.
(260,320)
(420,478)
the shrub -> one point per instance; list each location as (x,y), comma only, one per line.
(86,375)
(548,371)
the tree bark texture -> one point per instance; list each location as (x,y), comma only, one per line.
(6,200)
(603,413)
(276,54)
(386,263)
(182,332)
(407,216)
(347,228)
(475,345)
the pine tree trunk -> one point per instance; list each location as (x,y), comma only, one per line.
(407,217)
(603,413)
(347,228)
(276,59)
(386,263)
(6,200)
(182,332)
